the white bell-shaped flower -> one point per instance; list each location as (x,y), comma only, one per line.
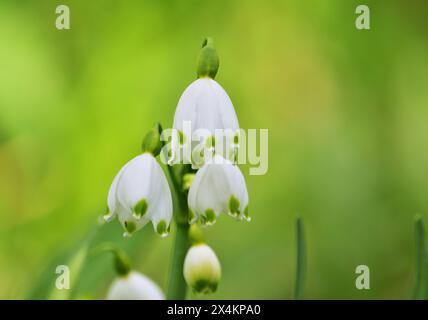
(203,108)
(206,105)
(219,186)
(134,286)
(140,193)
(201,269)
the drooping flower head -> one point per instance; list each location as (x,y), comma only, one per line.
(203,108)
(140,193)
(218,187)
(129,284)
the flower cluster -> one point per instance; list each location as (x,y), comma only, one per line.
(140,192)
(213,184)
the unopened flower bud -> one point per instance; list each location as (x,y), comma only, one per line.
(208,61)
(152,141)
(202,270)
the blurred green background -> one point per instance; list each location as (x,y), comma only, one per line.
(346,110)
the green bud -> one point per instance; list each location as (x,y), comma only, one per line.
(152,142)
(208,61)
(195,234)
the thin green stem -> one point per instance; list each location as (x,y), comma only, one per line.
(421,260)
(174,181)
(177,285)
(301,259)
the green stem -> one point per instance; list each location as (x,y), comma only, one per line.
(421,260)
(176,284)
(301,259)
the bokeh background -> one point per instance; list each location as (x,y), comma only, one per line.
(346,110)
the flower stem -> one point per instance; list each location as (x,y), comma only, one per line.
(421,260)
(176,284)
(301,259)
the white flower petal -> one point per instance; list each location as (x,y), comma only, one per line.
(135,182)
(134,286)
(162,209)
(203,198)
(111,198)
(227,111)
(207,106)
